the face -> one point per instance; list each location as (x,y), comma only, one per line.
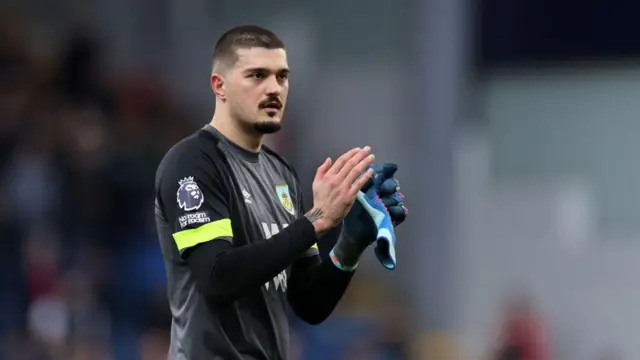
(256,88)
(194,190)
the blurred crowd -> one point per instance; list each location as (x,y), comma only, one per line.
(81,275)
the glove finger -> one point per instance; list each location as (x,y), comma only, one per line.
(398,196)
(398,214)
(388,187)
(390,201)
(388,170)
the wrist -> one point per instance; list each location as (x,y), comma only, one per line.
(335,259)
(320,224)
(347,252)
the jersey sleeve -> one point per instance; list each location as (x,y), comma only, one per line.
(195,203)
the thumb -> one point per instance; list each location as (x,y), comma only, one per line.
(322,169)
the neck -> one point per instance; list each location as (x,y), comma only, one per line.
(234,132)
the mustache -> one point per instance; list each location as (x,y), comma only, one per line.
(272,102)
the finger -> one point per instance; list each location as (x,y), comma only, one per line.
(398,196)
(342,160)
(351,164)
(367,185)
(322,169)
(388,187)
(357,169)
(398,214)
(388,170)
(389,201)
(370,182)
(359,183)
(376,168)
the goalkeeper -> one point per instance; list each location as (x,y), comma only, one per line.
(237,242)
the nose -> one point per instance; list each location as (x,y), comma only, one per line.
(273,87)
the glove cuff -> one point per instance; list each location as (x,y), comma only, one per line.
(345,255)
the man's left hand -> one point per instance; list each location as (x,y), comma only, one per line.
(378,209)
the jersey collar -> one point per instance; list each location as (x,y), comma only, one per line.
(243,153)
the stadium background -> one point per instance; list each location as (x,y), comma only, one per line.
(514,124)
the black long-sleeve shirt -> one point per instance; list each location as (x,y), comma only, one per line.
(238,250)
(313,288)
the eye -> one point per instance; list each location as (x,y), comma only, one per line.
(283,76)
(258,75)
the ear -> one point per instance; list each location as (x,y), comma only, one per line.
(218,86)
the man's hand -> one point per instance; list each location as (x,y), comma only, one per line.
(335,188)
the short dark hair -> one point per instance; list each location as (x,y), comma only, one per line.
(246,36)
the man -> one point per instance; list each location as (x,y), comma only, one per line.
(522,334)
(236,240)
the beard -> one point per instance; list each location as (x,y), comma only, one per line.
(260,127)
(267,127)
(256,123)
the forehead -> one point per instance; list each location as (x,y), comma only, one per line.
(256,57)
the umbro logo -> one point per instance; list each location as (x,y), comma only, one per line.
(247,196)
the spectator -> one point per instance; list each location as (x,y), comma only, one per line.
(522,335)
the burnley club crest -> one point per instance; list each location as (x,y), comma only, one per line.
(285,198)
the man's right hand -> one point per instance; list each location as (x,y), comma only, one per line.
(335,188)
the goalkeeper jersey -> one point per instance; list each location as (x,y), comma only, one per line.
(209,189)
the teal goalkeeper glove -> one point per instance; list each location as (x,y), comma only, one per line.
(387,189)
(377,209)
